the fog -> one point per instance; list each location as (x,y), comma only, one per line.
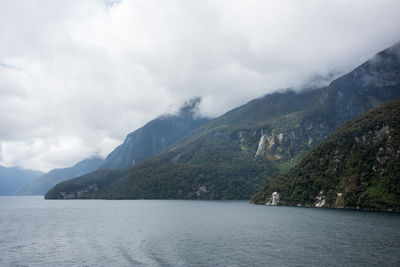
(77,76)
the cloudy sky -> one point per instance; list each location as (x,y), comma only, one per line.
(76,76)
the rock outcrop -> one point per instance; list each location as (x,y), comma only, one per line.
(358,166)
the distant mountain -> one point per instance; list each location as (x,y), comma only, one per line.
(13,178)
(147,141)
(233,156)
(43,183)
(358,166)
(155,136)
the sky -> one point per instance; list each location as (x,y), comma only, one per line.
(77,76)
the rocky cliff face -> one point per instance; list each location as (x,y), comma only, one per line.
(358,166)
(235,154)
(155,136)
(374,82)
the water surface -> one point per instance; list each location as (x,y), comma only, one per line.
(38,232)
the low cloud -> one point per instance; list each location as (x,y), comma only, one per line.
(77,76)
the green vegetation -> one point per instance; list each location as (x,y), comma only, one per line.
(232,156)
(156,136)
(229,174)
(357,166)
(43,183)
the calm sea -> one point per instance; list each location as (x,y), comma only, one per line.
(38,232)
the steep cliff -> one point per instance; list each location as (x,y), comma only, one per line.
(232,156)
(358,166)
(155,136)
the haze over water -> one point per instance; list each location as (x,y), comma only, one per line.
(36,232)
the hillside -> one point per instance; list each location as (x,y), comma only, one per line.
(147,141)
(358,166)
(13,178)
(232,156)
(155,136)
(43,183)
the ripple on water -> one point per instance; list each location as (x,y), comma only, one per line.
(35,232)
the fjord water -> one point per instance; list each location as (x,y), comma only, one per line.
(38,232)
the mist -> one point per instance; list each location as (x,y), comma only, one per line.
(77,76)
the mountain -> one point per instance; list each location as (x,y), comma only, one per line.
(233,156)
(43,183)
(147,141)
(13,178)
(155,136)
(358,166)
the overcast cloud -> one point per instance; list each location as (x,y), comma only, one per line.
(77,76)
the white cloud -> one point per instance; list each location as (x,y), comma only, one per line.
(77,76)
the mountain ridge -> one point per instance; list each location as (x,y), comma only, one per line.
(155,136)
(357,166)
(12,178)
(235,154)
(41,184)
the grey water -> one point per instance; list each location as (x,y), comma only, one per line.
(38,232)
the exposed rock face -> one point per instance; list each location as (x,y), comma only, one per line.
(261,144)
(235,154)
(282,147)
(358,166)
(273,200)
(320,200)
(202,190)
(156,136)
